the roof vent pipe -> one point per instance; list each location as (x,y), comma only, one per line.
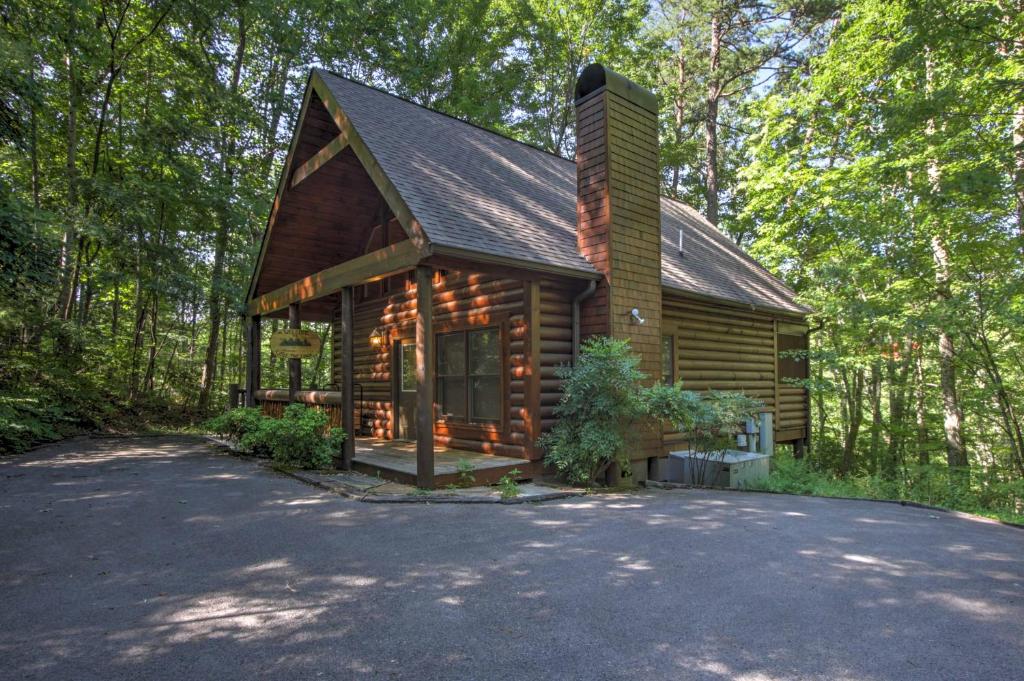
(680,241)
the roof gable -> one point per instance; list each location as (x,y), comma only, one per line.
(458,189)
(470,188)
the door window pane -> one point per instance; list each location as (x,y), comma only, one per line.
(408,367)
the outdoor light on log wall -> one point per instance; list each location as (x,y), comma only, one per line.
(635,317)
(376,337)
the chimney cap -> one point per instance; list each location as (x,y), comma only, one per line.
(596,76)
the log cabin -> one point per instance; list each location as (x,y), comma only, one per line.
(460,269)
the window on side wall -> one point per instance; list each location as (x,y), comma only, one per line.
(792,356)
(668,360)
(469,376)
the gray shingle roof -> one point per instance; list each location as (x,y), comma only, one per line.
(476,190)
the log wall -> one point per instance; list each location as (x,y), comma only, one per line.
(555,346)
(723,348)
(461,301)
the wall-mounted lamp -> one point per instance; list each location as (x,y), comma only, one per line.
(635,316)
(376,337)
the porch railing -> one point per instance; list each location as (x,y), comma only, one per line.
(272,402)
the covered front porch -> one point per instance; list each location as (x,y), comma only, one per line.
(436,351)
(396,460)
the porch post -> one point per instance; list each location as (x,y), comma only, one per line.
(424,377)
(294,365)
(348,448)
(252,360)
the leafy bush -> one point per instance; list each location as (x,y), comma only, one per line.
(710,421)
(301,438)
(605,404)
(37,407)
(22,425)
(601,401)
(507,485)
(236,423)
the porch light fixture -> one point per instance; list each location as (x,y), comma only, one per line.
(376,337)
(635,316)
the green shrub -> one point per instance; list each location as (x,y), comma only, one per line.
(605,406)
(507,485)
(236,423)
(710,421)
(299,439)
(601,401)
(23,424)
(465,469)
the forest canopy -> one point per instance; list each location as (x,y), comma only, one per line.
(871,153)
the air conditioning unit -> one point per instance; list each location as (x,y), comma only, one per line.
(734,468)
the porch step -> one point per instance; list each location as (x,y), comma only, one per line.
(396,461)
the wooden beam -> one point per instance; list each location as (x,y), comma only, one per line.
(332,149)
(380,179)
(252,360)
(363,269)
(294,364)
(424,377)
(348,448)
(282,183)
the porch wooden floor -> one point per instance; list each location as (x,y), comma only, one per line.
(396,460)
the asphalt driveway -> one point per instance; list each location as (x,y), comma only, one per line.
(160,559)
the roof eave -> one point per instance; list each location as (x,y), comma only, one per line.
(518,263)
(740,304)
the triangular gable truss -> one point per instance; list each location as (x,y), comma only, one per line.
(348,137)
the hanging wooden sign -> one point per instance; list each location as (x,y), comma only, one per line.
(294,343)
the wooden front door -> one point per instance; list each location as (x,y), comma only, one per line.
(407,390)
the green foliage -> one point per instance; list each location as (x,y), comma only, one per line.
(301,438)
(236,423)
(605,405)
(601,401)
(507,485)
(465,470)
(930,484)
(710,421)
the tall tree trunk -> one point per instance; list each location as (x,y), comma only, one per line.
(33,126)
(115,311)
(148,381)
(897,378)
(852,405)
(875,395)
(711,122)
(223,226)
(956,456)
(70,237)
(679,112)
(921,414)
